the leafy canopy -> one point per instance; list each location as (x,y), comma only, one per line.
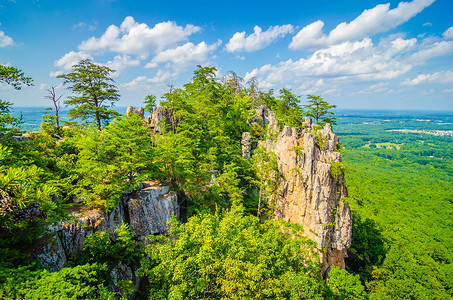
(319,109)
(229,255)
(14,77)
(96,93)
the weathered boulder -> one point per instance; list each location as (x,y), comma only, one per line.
(308,193)
(147,211)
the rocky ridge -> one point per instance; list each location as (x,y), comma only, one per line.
(311,185)
(147,211)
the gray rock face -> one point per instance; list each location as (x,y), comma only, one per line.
(246,144)
(307,192)
(150,211)
(123,272)
(140,111)
(147,212)
(162,119)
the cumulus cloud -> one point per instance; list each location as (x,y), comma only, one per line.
(438,77)
(188,54)
(70,59)
(353,61)
(258,39)
(448,34)
(120,63)
(5,41)
(143,83)
(180,59)
(139,39)
(372,21)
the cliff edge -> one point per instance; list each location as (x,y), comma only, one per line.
(311,186)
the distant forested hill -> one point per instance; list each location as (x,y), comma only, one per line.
(401,194)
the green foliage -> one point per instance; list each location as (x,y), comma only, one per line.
(14,77)
(96,93)
(229,255)
(101,249)
(266,170)
(401,202)
(336,170)
(150,103)
(80,282)
(8,123)
(368,247)
(110,160)
(319,109)
(286,107)
(50,123)
(21,186)
(320,139)
(208,120)
(345,286)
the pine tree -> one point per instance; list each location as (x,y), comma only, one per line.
(319,109)
(95,92)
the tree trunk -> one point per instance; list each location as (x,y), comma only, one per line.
(98,120)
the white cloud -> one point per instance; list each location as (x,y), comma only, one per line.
(185,55)
(370,22)
(143,83)
(70,59)
(448,34)
(138,38)
(438,77)
(427,24)
(120,63)
(354,61)
(85,26)
(448,90)
(258,39)
(180,59)
(436,49)
(55,73)
(380,87)
(5,41)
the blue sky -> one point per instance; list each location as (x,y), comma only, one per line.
(356,54)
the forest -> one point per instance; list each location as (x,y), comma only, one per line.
(226,245)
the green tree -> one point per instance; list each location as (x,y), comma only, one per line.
(17,79)
(229,255)
(95,92)
(150,103)
(111,159)
(319,109)
(266,169)
(345,286)
(14,77)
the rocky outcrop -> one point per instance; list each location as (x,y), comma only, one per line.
(162,119)
(246,143)
(147,211)
(311,189)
